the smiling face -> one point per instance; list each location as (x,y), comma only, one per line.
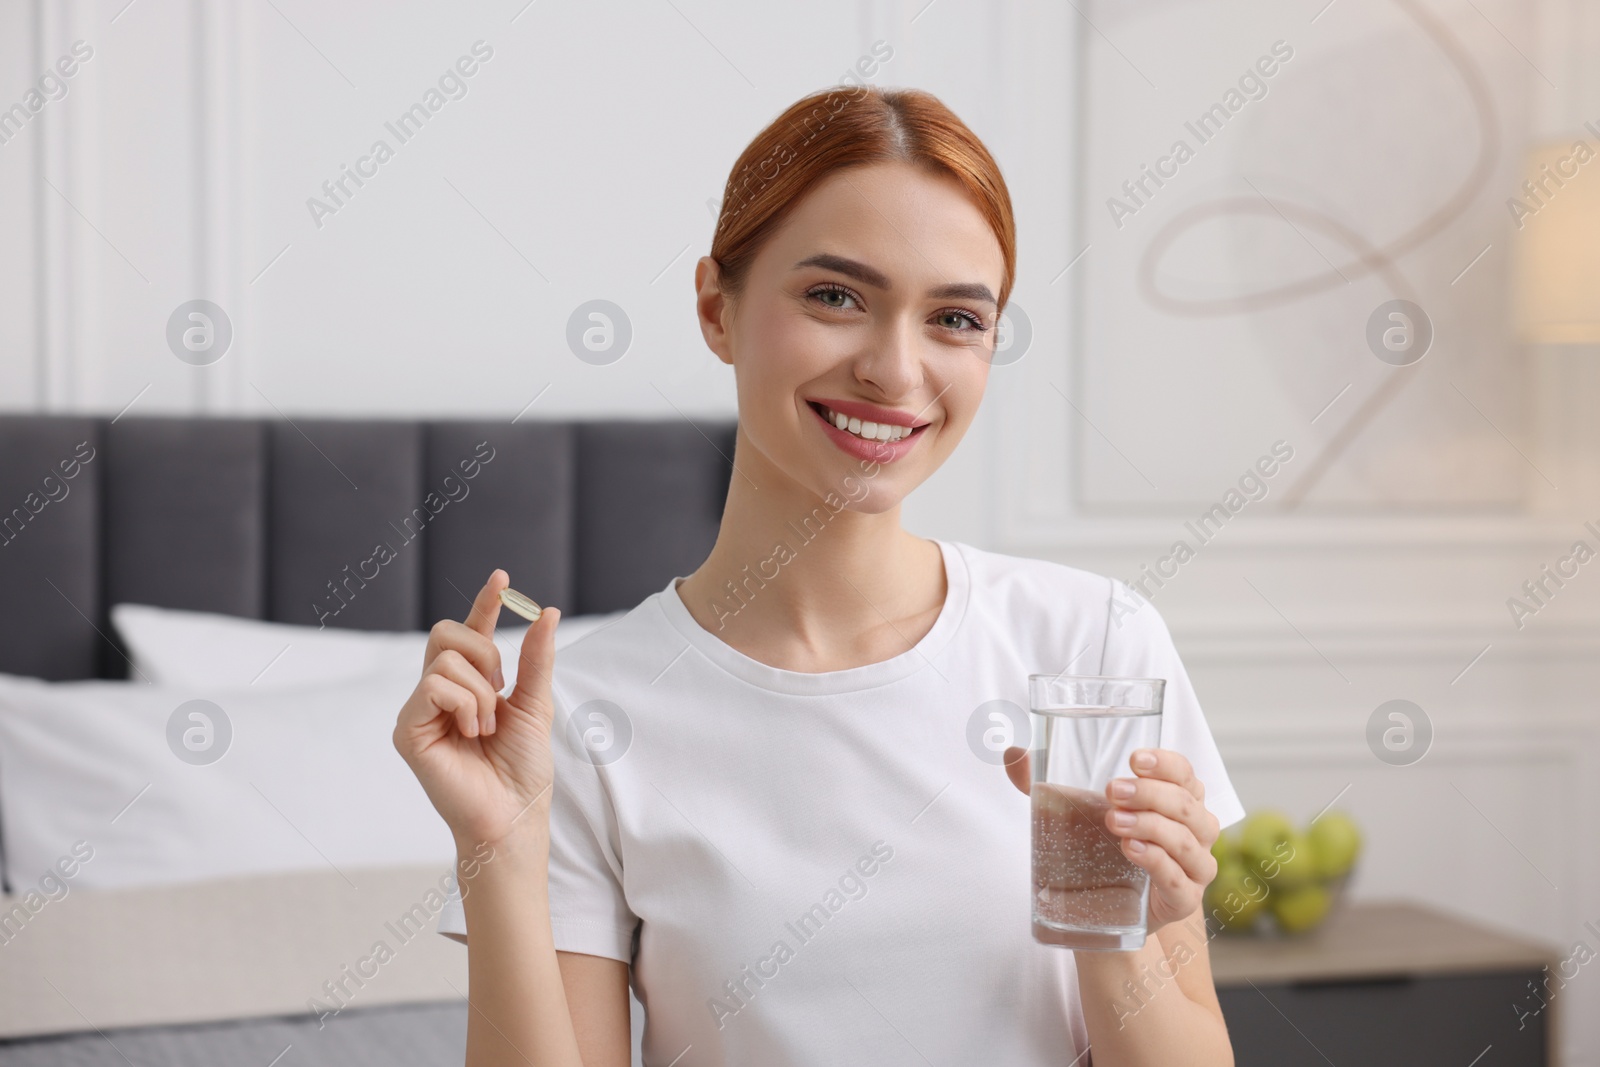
(873,304)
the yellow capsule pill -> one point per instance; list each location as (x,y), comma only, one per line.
(520,604)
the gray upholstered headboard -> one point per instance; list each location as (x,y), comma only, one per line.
(361,523)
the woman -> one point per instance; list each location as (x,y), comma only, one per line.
(758,802)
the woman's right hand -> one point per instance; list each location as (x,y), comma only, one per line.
(483,759)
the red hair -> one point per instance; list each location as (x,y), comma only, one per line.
(849,126)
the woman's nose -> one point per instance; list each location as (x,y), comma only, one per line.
(893,361)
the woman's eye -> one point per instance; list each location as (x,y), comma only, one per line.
(960,321)
(834,298)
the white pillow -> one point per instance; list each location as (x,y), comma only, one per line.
(207,650)
(310,779)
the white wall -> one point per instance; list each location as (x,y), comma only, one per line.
(580,165)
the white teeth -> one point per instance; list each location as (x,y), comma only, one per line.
(871,431)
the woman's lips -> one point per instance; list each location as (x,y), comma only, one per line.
(860,447)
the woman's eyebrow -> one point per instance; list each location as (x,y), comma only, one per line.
(851,268)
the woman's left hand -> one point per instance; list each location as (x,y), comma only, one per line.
(1169,831)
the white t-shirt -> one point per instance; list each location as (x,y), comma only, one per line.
(826,868)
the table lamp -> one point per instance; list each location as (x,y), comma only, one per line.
(1556,213)
(1555,216)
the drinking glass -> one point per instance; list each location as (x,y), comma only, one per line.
(1086,893)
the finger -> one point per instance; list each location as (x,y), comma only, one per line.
(443,696)
(418,714)
(1166,875)
(535,661)
(486,605)
(454,666)
(1171,801)
(1174,838)
(448,635)
(1018,767)
(1156,794)
(1169,765)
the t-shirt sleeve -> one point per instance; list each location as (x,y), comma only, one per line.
(1138,645)
(589,912)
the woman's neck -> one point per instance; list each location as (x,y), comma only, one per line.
(800,582)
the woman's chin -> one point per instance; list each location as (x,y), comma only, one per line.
(856,492)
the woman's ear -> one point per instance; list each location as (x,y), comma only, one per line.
(713,308)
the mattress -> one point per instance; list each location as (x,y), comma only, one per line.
(266,957)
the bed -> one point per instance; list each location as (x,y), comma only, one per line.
(186,941)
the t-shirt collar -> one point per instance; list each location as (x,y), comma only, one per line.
(920,657)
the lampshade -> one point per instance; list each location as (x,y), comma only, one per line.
(1556,248)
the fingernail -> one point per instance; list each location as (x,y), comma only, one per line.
(488,724)
(1135,845)
(1123,820)
(1121,789)
(499,679)
(1146,760)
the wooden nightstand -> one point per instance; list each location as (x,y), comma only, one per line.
(1386,983)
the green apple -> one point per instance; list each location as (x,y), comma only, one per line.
(1298,910)
(1335,842)
(1261,834)
(1291,865)
(1235,896)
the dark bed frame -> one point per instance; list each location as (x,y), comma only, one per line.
(360,523)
